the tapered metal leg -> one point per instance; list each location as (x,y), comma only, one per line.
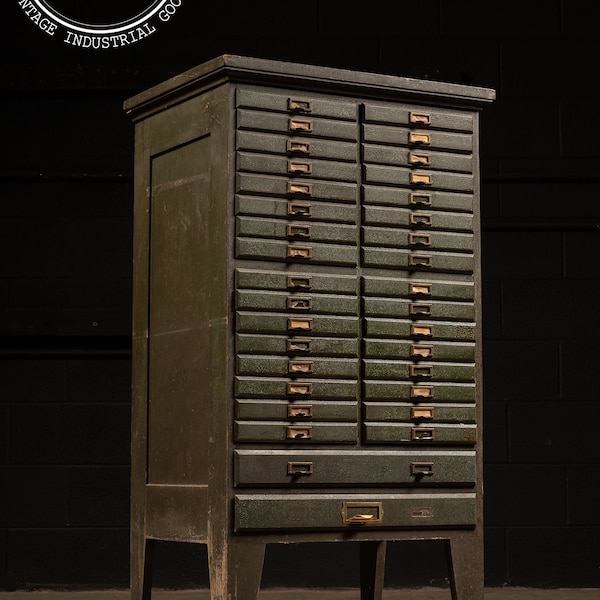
(464,557)
(372,569)
(141,569)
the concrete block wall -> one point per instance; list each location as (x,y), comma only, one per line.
(65,279)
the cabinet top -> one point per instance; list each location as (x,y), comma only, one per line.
(231,68)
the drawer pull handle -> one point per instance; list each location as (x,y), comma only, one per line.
(421,391)
(296,469)
(300,324)
(299,389)
(300,125)
(422,310)
(422,434)
(421,351)
(300,411)
(419,239)
(298,303)
(299,345)
(295,147)
(423,160)
(421,179)
(421,330)
(298,105)
(425,371)
(298,231)
(421,412)
(299,252)
(295,166)
(300,367)
(299,433)
(419,260)
(301,189)
(419,138)
(299,209)
(420,118)
(355,513)
(304,283)
(420,289)
(421,469)
(421,220)
(420,199)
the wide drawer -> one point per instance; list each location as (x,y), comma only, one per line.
(305,210)
(397,369)
(419,350)
(294,188)
(296,146)
(295,281)
(422,158)
(351,467)
(418,240)
(421,219)
(417,138)
(406,433)
(296,303)
(421,117)
(404,391)
(302,252)
(296,231)
(418,200)
(353,511)
(421,260)
(395,328)
(282,365)
(280,410)
(419,309)
(277,344)
(295,433)
(299,390)
(294,102)
(296,166)
(249,322)
(422,413)
(417,288)
(444,180)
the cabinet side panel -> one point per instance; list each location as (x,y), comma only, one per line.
(178,314)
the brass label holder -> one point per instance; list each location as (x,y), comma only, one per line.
(362,513)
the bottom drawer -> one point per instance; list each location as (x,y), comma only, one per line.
(343,511)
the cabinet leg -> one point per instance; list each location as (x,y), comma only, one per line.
(464,556)
(235,570)
(372,569)
(141,569)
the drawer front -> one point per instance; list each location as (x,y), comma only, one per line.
(300,389)
(417,158)
(298,412)
(313,325)
(418,200)
(418,288)
(421,178)
(295,146)
(394,328)
(296,345)
(419,350)
(417,219)
(295,433)
(417,138)
(284,366)
(295,252)
(403,433)
(342,511)
(421,413)
(392,369)
(303,303)
(419,309)
(419,117)
(295,188)
(298,281)
(305,210)
(433,391)
(295,230)
(293,102)
(279,468)
(296,166)
(424,260)
(418,240)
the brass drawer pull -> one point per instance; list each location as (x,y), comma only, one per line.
(298,231)
(419,260)
(300,125)
(419,239)
(299,252)
(420,469)
(415,137)
(298,105)
(421,412)
(299,345)
(420,289)
(422,160)
(420,118)
(296,282)
(421,310)
(295,324)
(422,434)
(421,220)
(299,389)
(421,351)
(421,179)
(298,209)
(362,513)
(299,303)
(302,189)
(295,147)
(425,371)
(421,391)
(296,166)
(299,468)
(420,199)
(300,367)
(421,331)
(300,411)
(299,433)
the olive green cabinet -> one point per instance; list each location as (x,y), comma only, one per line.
(306,341)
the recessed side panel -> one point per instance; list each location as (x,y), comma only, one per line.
(178,322)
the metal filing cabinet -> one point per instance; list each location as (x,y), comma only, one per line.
(307,347)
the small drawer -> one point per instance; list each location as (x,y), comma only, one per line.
(295,282)
(420,138)
(299,189)
(298,390)
(351,467)
(434,310)
(292,367)
(425,260)
(283,432)
(404,391)
(406,433)
(294,345)
(396,328)
(418,200)
(425,158)
(283,324)
(297,411)
(413,288)
(401,238)
(416,350)
(419,373)
(419,413)
(320,511)
(296,303)
(462,182)
(417,219)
